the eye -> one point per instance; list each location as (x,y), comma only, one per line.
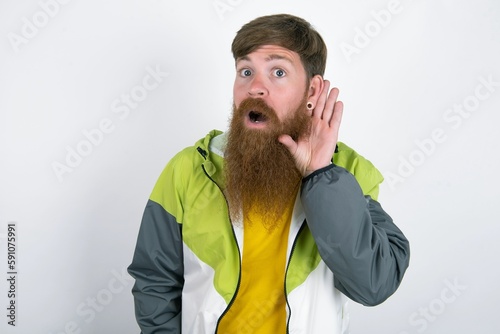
(279,72)
(245,72)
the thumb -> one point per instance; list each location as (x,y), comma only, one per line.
(289,143)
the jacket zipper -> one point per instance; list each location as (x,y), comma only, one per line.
(286,273)
(204,155)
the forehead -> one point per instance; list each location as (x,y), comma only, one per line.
(272,52)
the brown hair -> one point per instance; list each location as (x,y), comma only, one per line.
(288,31)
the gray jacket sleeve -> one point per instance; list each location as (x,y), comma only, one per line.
(356,238)
(157,267)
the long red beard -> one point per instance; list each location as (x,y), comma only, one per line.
(261,175)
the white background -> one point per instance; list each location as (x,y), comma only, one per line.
(77,231)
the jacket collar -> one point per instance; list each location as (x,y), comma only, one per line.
(211,149)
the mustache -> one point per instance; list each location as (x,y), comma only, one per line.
(259,106)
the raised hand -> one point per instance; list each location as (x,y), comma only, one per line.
(315,150)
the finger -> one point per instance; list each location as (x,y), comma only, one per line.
(337,116)
(320,104)
(330,105)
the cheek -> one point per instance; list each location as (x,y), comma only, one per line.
(288,108)
(238,95)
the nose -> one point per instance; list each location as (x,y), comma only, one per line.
(257,87)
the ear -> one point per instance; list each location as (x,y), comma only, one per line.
(316,85)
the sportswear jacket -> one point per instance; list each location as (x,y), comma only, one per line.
(187,259)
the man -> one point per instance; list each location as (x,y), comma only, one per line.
(259,230)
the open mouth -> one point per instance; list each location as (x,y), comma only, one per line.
(256,117)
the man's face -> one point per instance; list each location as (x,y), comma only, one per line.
(275,75)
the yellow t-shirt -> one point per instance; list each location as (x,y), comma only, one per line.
(260,305)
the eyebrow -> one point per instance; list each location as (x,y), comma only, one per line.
(272,56)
